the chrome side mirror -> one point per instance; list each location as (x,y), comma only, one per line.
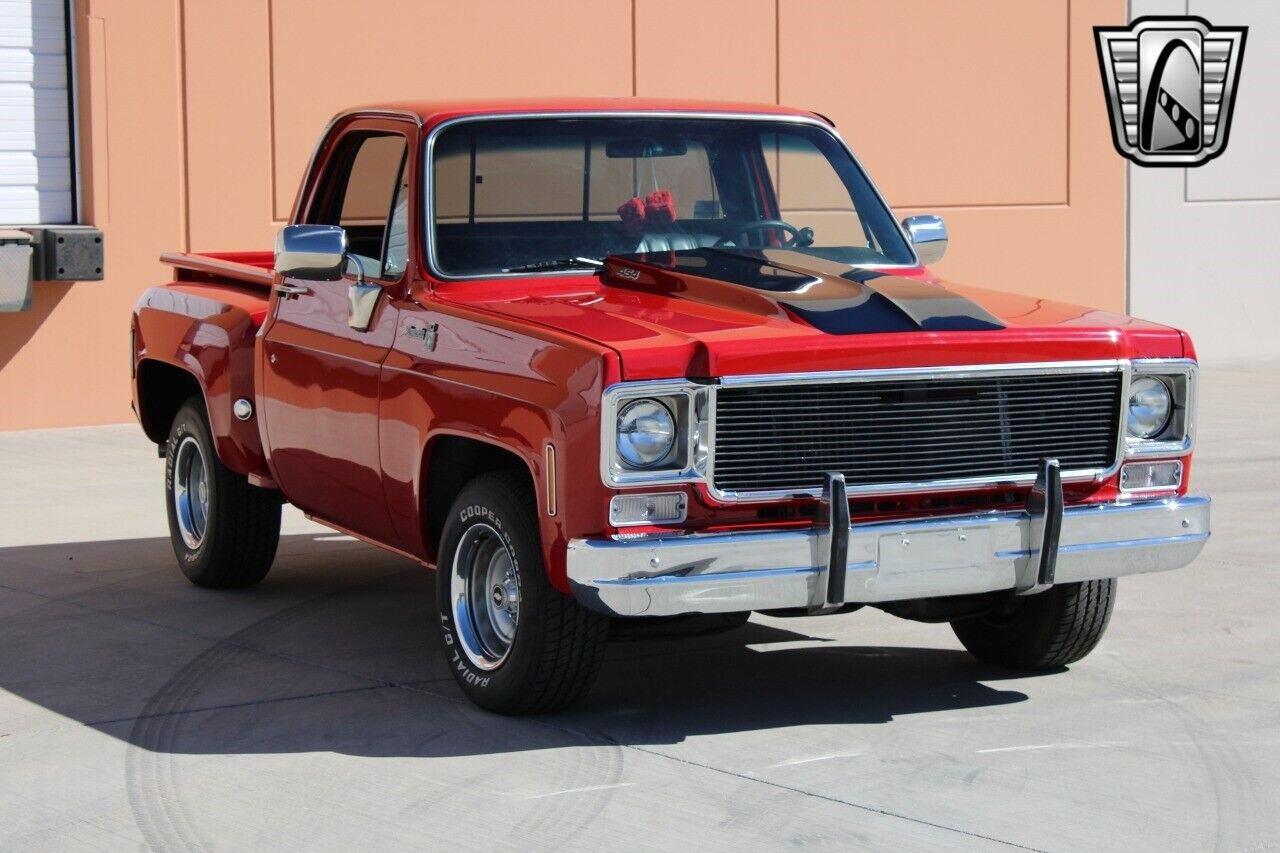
(319,253)
(312,252)
(928,233)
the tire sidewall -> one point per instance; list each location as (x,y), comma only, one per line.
(480,505)
(1026,638)
(190,423)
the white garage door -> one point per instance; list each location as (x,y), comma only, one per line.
(35,130)
(1204,243)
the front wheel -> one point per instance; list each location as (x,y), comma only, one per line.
(1044,631)
(515,644)
(224,531)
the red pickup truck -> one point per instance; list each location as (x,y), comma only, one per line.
(596,359)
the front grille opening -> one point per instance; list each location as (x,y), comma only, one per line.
(914,431)
(787,512)
(910,505)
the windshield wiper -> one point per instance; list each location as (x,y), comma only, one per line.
(575,263)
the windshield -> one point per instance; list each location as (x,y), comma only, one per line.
(530,195)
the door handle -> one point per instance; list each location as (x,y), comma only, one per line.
(292,289)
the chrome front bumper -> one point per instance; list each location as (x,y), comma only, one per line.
(1023,551)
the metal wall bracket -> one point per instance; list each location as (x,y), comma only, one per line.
(1045,507)
(66,252)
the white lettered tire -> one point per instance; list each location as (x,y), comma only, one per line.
(514,643)
(224,531)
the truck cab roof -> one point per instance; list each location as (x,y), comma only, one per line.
(430,113)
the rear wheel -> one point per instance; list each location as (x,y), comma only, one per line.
(514,643)
(1044,631)
(224,531)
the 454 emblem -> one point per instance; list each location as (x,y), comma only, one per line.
(1170,86)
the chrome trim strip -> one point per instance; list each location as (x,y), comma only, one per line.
(742,575)
(1118,543)
(549,463)
(428,196)
(942,372)
(728,572)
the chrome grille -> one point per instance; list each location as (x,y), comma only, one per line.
(910,431)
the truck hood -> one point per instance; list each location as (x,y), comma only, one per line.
(713,312)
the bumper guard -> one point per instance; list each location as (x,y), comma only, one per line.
(836,563)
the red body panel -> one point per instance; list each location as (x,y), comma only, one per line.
(207,330)
(661,335)
(346,420)
(506,384)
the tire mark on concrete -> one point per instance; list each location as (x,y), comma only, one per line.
(229,706)
(978,836)
(150,782)
(1229,775)
(601,764)
(597,738)
(565,815)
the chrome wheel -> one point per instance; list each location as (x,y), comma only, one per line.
(191,492)
(485,591)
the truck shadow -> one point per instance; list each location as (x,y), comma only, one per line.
(337,652)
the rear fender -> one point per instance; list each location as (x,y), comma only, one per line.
(209,332)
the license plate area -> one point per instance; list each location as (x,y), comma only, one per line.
(935,550)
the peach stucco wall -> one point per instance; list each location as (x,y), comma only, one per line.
(197,117)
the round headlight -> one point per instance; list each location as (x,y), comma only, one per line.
(646,433)
(1150,406)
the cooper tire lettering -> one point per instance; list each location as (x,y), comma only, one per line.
(555,646)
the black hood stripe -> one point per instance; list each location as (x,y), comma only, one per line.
(932,307)
(831,296)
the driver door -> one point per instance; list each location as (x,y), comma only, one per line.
(320,375)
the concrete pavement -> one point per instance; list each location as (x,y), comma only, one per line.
(315,711)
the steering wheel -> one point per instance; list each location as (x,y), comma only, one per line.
(797,236)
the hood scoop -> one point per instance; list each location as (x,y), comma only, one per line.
(830,296)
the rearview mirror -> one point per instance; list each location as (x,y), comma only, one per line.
(312,252)
(928,233)
(632,148)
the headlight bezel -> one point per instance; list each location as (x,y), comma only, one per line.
(1177,437)
(689,404)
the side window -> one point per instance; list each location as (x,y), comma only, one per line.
(364,192)
(398,232)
